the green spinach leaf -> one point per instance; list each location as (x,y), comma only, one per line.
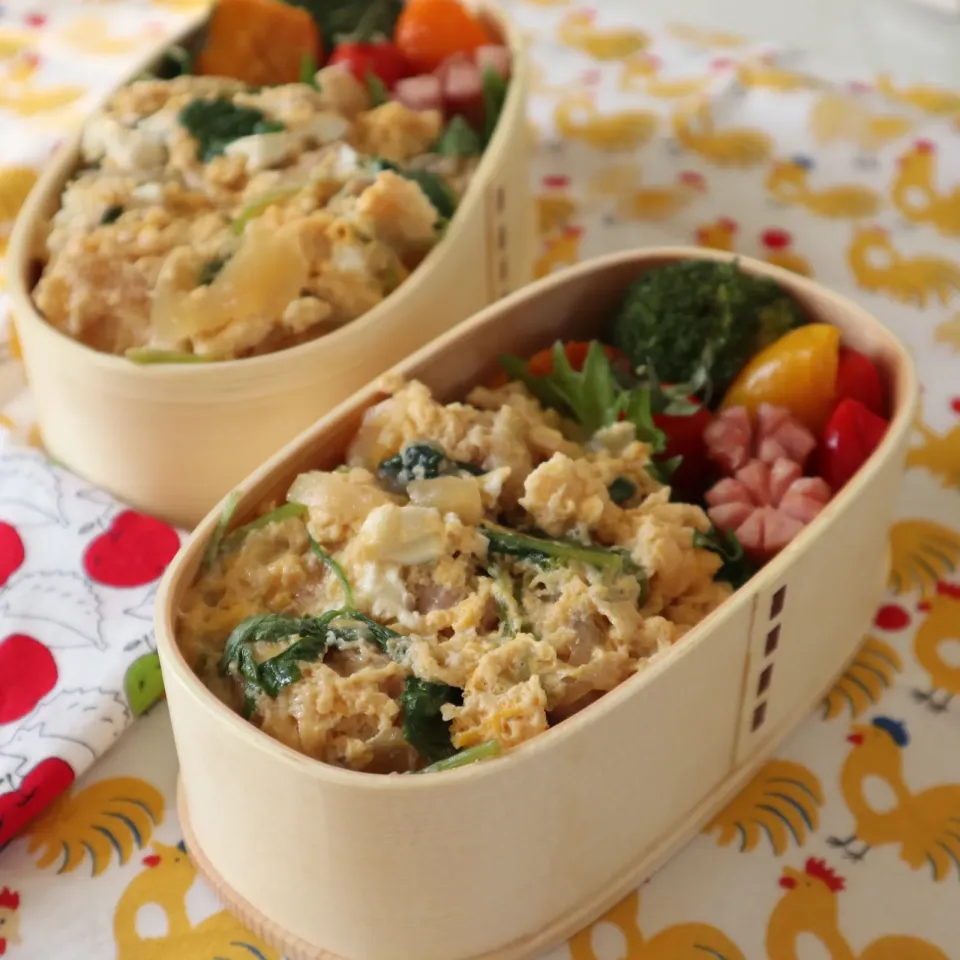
(215,124)
(423,725)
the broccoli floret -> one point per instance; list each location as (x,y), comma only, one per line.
(700,315)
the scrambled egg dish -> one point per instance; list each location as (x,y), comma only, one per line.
(218,220)
(475,573)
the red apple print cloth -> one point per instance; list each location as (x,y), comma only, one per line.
(78,577)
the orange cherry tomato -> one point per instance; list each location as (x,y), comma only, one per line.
(429,31)
(798,371)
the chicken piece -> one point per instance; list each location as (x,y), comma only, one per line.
(395,132)
(566,496)
(732,441)
(395,210)
(341,91)
(766,505)
(504,699)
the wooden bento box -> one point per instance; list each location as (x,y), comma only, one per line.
(505,858)
(171,439)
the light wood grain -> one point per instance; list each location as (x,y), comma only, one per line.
(498,859)
(171,439)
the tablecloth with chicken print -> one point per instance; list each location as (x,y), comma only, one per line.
(846,844)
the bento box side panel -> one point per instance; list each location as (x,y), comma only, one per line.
(542,831)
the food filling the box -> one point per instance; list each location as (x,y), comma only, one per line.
(240,201)
(476,572)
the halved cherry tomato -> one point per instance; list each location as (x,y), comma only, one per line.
(429,31)
(685,439)
(851,435)
(541,364)
(858,379)
(798,371)
(378,57)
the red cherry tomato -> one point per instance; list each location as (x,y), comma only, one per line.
(379,57)
(858,379)
(685,439)
(851,435)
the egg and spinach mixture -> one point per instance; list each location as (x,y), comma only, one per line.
(211,220)
(475,573)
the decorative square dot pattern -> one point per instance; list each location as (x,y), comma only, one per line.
(776,605)
(773,639)
(764,682)
(759,715)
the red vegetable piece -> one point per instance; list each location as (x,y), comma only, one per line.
(494,57)
(420,93)
(858,379)
(379,57)
(851,435)
(685,438)
(462,84)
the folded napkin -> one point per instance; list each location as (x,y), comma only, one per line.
(78,578)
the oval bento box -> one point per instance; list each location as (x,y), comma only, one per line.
(505,858)
(171,439)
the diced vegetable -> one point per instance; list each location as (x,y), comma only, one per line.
(429,31)
(459,139)
(112,213)
(216,123)
(699,315)
(859,379)
(851,435)
(737,568)
(621,490)
(459,495)
(423,725)
(260,42)
(798,371)
(495,89)
(377,58)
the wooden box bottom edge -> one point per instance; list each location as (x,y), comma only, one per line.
(540,941)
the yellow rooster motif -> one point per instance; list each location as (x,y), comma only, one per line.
(938,634)
(924,553)
(781,803)
(165,882)
(922,823)
(20,95)
(916,195)
(764,74)
(555,207)
(92,35)
(879,268)
(694,129)
(116,816)
(718,234)
(808,912)
(578,30)
(698,37)
(636,201)
(788,182)
(929,99)
(838,117)
(576,117)
(939,454)
(683,941)
(865,681)
(561,249)
(641,74)
(948,332)
(15,186)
